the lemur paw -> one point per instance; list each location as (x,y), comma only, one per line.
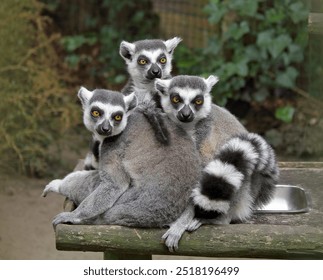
(194,225)
(64,218)
(171,239)
(53,186)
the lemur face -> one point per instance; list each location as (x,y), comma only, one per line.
(149,59)
(105,111)
(186,99)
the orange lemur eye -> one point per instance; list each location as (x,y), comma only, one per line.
(95,113)
(142,61)
(163,60)
(118,117)
(175,99)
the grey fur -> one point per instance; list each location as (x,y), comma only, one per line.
(140,182)
(183,81)
(107,97)
(141,79)
(212,127)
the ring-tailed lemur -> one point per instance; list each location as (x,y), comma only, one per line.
(105,115)
(140,181)
(240,169)
(146,60)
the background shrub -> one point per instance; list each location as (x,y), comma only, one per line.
(257,50)
(36,107)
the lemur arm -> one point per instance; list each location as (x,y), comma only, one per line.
(155,117)
(113,182)
(177,228)
(99,201)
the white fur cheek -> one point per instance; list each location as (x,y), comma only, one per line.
(133,69)
(166,105)
(87,121)
(121,127)
(205,110)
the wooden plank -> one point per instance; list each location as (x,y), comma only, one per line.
(315,23)
(300,164)
(236,241)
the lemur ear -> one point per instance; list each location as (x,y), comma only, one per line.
(131,101)
(162,86)
(171,44)
(84,95)
(127,50)
(211,81)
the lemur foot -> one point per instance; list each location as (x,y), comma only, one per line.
(171,239)
(53,186)
(64,218)
(194,225)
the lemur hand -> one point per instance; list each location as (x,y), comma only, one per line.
(66,217)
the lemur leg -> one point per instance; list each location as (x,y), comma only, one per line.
(177,228)
(100,200)
(76,186)
(143,207)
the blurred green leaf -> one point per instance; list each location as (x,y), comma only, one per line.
(245,7)
(278,44)
(236,31)
(215,10)
(285,114)
(287,79)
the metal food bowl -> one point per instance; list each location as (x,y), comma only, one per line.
(287,199)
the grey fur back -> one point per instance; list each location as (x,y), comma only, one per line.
(162,176)
(212,132)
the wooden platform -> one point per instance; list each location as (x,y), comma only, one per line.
(288,236)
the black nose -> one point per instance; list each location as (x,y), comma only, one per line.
(105,129)
(154,72)
(185,114)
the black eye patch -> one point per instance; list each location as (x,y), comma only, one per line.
(162,59)
(198,102)
(96,112)
(143,60)
(175,99)
(117,117)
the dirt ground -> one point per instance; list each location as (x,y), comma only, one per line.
(25,222)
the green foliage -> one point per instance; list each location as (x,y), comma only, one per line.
(35,107)
(285,113)
(258,48)
(91,44)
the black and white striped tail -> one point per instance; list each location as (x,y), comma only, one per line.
(233,166)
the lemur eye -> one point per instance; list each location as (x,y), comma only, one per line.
(95,113)
(175,99)
(142,61)
(198,101)
(163,60)
(117,118)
